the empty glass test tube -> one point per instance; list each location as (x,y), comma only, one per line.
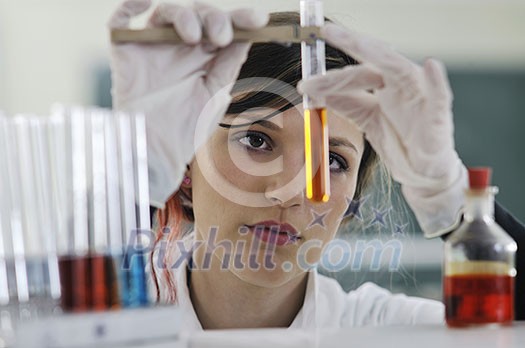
(30,286)
(315,117)
(8,293)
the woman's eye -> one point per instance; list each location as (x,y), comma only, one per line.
(255,141)
(337,163)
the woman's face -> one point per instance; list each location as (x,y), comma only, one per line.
(248,191)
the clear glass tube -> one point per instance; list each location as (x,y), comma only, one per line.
(43,198)
(139,292)
(29,281)
(35,252)
(74,189)
(87,271)
(135,208)
(8,300)
(315,117)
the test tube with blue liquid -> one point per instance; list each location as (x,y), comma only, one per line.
(134,207)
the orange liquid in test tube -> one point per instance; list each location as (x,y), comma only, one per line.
(316,154)
(315,117)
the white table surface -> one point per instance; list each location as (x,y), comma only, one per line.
(158,328)
(370,337)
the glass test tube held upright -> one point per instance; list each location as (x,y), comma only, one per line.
(315,117)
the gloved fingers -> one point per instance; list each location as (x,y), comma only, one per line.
(183,19)
(226,65)
(342,81)
(216,24)
(128,9)
(359,106)
(246,18)
(436,73)
(370,51)
(363,109)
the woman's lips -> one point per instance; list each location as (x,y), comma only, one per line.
(274,232)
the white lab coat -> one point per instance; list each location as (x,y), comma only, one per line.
(326,304)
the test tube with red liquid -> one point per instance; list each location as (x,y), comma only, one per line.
(87,270)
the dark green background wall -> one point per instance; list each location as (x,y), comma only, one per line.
(489,114)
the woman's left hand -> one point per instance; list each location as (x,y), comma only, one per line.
(405,111)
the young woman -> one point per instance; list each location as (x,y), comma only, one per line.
(238,241)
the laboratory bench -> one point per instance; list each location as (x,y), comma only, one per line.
(157,328)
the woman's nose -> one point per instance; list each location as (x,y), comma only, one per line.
(286,188)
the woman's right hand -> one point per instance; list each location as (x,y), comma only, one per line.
(179,87)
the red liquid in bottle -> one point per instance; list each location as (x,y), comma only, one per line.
(478,299)
(479,271)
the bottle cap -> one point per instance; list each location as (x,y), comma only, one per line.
(479,177)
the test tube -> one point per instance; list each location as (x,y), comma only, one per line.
(45,209)
(73,244)
(8,303)
(28,266)
(315,117)
(137,263)
(104,289)
(35,240)
(135,207)
(87,271)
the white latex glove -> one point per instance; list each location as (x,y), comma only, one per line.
(407,120)
(172,84)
